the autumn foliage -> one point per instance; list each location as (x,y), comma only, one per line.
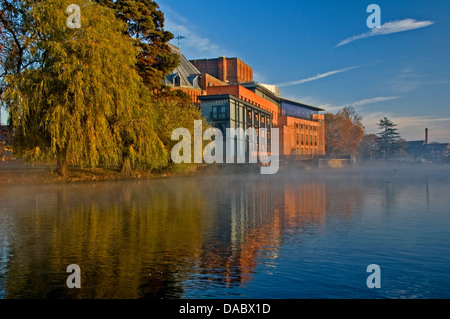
(343,132)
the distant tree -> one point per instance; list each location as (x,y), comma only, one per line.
(82,101)
(368,148)
(343,132)
(389,141)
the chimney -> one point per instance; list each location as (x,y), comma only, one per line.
(426,136)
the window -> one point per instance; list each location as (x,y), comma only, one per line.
(177,80)
(249,117)
(296,138)
(219,112)
(222,127)
(310,139)
(315,140)
(301,138)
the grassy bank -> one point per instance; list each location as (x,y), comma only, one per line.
(18,172)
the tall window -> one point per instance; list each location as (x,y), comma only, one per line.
(219,112)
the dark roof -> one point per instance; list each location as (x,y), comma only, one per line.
(296,103)
(185,71)
(437,146)
(254,84)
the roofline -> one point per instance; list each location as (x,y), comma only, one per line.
(279,98)
(212,97)
(315,108)
(260,86)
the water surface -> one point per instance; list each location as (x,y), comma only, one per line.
(296,234)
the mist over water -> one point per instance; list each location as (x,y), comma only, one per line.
(296,234)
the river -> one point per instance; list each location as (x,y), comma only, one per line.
(296,234)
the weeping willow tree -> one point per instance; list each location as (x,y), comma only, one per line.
(82,101)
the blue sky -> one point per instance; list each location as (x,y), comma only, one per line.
(322,53)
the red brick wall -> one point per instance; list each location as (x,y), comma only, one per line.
(208,80)
(288,135)
(231,70)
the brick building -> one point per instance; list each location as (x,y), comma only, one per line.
(228,70)
(229,98)
(301,127)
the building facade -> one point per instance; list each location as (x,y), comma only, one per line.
(185,77)
(228,70)
(302,130)
(301,127)
(226,111)
(230,98)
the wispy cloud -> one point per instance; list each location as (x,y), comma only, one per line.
(408,80)
(194,45)
(372,100)
(412,127)
(389,28)
(318,76)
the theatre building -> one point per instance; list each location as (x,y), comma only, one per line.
(253,105)
(230,98)
(234,106)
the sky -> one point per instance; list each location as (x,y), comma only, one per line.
(323,53)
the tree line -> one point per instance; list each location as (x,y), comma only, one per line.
(90,96)
(345,136)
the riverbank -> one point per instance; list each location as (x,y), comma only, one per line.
(18,172)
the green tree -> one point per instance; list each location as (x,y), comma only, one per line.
(146,26)
(82,101)
(172,115)
(15,38)
(343,132)
(389,141)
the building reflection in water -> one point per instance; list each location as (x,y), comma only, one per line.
(148,239)
(250,220)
